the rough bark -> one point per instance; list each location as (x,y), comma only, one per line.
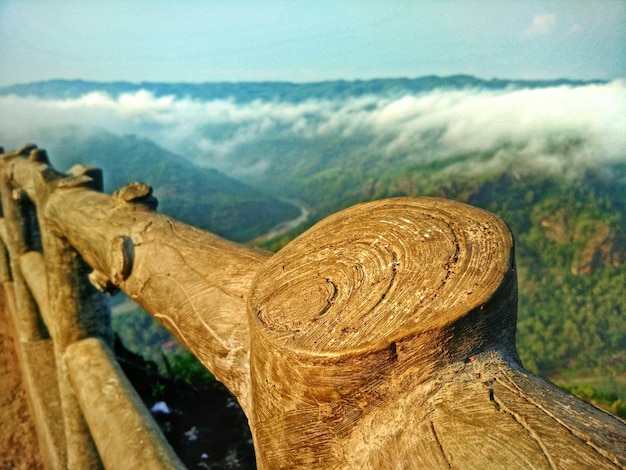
(195,283)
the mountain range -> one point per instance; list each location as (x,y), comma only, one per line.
(278,91)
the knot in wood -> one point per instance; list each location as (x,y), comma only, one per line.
(135,194)
(122,258)
(38,156)
(121,261)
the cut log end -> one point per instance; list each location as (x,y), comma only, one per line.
(362,309)
(379,272)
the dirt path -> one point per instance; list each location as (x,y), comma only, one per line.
(19,448)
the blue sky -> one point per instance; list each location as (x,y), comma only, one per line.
(199,41)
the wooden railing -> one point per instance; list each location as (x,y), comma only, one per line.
(383,337)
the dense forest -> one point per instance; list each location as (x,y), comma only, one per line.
(237,159)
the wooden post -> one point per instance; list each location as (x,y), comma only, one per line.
(78,311)
(33,269)
(384,337)
(22,236)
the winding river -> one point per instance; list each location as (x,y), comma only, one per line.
(286,225)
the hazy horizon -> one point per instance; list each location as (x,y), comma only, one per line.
(312,82)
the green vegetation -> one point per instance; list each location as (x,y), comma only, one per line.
(185,366)
(606,397)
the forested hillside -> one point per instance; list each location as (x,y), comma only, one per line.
(202,197)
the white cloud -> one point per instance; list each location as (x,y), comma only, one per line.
(549,128)
(541,25)
(575,28)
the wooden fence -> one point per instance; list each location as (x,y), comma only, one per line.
(383,337)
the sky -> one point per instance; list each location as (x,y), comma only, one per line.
(307,41)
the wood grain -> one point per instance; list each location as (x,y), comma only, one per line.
(115,413)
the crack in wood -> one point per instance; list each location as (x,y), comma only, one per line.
(435,435)
(522,422)
(330,301)
(515,388)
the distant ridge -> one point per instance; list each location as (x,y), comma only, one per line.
(278,91)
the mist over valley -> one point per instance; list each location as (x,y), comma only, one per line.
(238,159)
(267,133)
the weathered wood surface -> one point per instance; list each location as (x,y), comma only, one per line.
(33,269)
(18,239)
(76,310)
(123,429)
(193,282)
(116,415)
(384,337)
